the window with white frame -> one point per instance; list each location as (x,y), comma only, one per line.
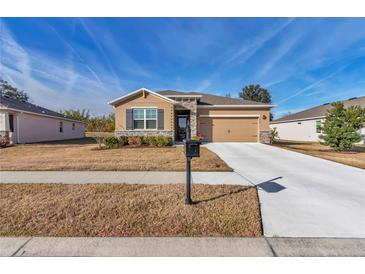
(318,126)
(145,118)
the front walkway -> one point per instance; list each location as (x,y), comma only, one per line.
(129,177)
(180,246)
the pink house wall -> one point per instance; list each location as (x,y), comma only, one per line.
(35,128)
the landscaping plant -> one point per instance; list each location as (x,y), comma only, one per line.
(111,142)
(273,135)
(135,140)
(163,141)
(99,124)
(4,141)
(341,126)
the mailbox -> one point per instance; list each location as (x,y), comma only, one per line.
(192,148)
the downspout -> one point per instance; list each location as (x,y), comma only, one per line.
(17,129)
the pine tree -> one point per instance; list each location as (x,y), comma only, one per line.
(341,126)
(258,94)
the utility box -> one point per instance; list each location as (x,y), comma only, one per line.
(192,148)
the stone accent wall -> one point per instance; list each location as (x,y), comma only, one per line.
(119,133)
(265,137)
(191,104)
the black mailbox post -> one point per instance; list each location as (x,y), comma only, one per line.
(192,149)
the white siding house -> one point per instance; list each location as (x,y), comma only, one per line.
(304,125)
(24,122)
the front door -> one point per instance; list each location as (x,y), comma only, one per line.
(182,123)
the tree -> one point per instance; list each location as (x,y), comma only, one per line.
(99,126)
(80,115)
(110,119)
(258,94)
(255,93)
(8,90)
(341,126)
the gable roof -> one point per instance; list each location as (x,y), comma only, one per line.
(319,111)
(17,105)
(125,97)
(210,99)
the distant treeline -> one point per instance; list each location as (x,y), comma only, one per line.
(90,122)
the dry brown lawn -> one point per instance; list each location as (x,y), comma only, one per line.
(127,210)
(83,155)
(355,158)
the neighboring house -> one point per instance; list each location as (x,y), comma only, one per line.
(305,125)
(168,112)
(24,122)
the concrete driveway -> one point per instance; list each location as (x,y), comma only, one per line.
(300,195)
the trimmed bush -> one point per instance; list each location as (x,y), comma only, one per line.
(111,142)
(158,141)
(123,140)
(154,141)
(163,141)
(4,141)
(151,141)
(135,140)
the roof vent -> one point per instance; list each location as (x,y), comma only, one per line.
(43,111)
(352,98)
(325,104)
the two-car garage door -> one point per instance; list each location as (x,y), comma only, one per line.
(229,129)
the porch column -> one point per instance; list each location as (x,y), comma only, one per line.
(4,122)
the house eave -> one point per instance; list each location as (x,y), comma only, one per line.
(236,106)
(124,97)
(40,114)
(297,120)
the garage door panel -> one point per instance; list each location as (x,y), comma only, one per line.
(230,129)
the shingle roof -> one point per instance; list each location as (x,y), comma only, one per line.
(320,111)
(209,99)
(26,106)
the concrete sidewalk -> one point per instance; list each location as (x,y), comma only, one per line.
(180,246)
(130,177)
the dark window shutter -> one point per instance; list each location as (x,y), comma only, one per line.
(129,119)
(160,117)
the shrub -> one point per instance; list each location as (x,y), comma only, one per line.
(163,141)
(4,141)
(111,142)
(341,126)
(135,140)
(273,135)
(123,140)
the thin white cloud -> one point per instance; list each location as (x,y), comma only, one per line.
(48,82)
(111,51)
(249,50)
(272,61)
(244,53)
(75,52)
(312,85)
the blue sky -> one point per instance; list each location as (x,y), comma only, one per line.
(83,62)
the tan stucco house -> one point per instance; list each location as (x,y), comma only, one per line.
(167,112)
(24,122)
